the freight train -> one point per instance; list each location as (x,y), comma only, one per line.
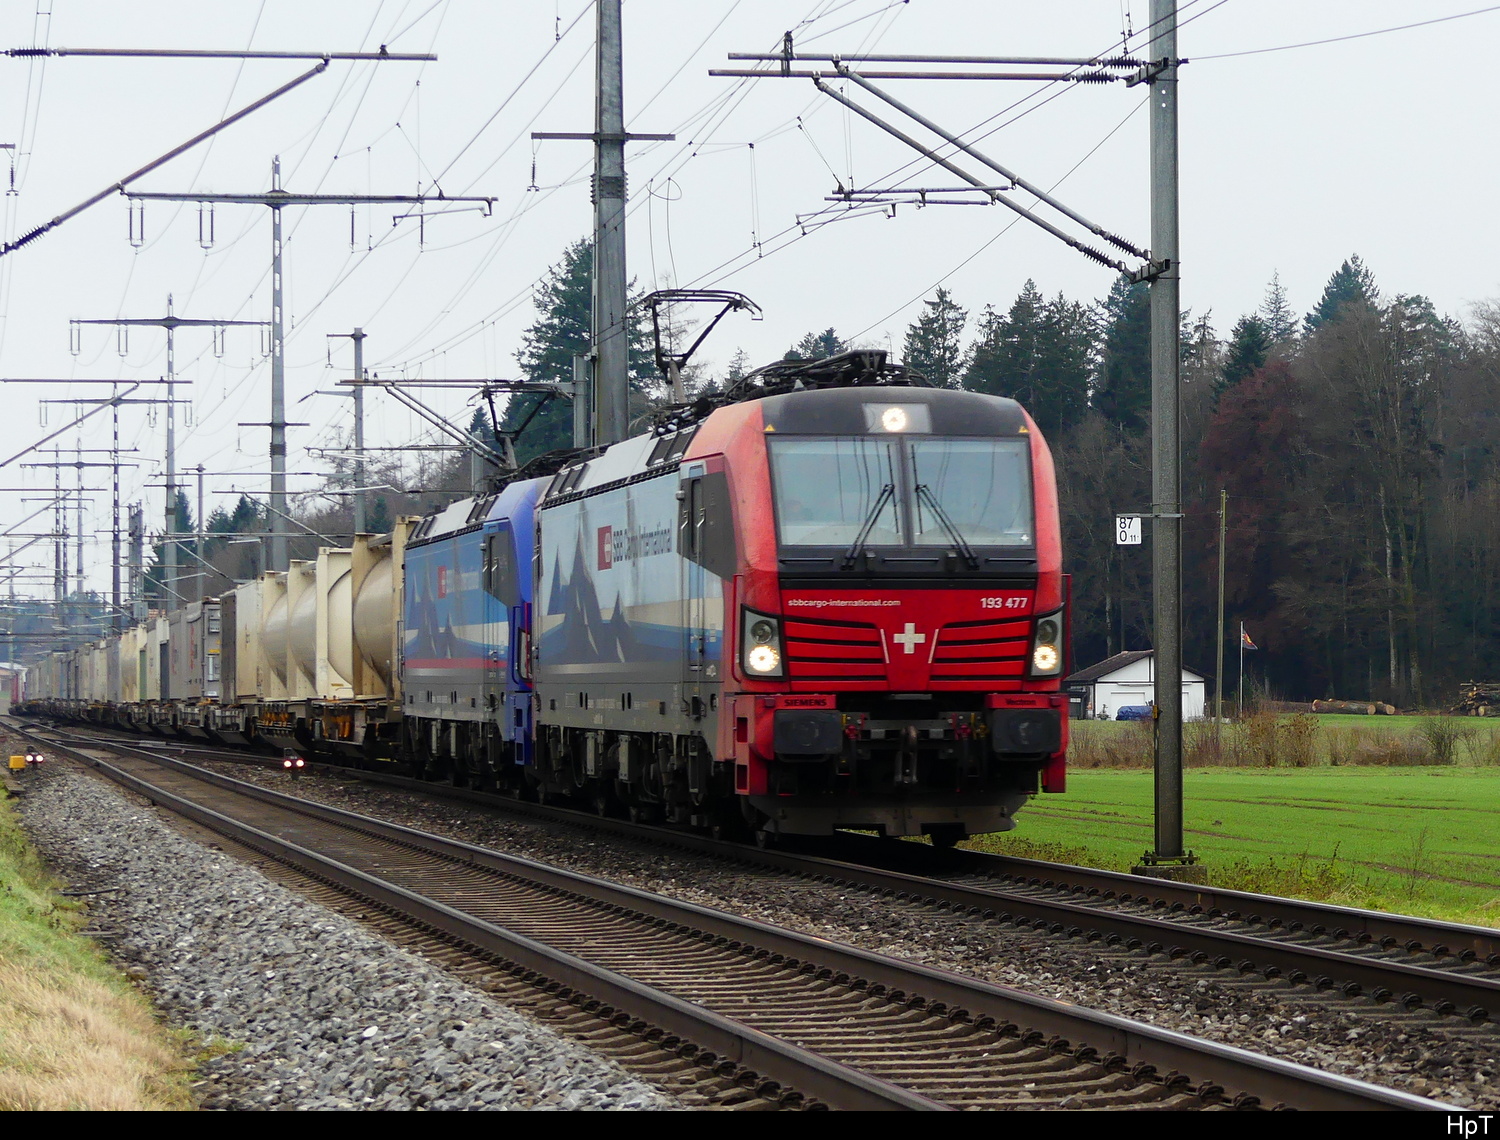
(829,597)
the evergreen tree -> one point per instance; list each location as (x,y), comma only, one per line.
(1039,353)
(1276,312)
(934,342)
(817,346)
(1067,353)
(482,430)
(1003,362)
(1123,391)
(1351,284)
(246,516)
(563,329)
(739,365)
(1199,346)
(182,518)
(1249,345)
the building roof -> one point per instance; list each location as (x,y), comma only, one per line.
(1114,664)
(1109,665)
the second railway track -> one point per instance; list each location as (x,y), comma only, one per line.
(801,1019)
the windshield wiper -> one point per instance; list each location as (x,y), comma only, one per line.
(887,493)
(924,493)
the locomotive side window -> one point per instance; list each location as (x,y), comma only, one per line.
(499,569)
(705,524)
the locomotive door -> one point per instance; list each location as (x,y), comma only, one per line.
(507,645)
(694,604)
(499,584)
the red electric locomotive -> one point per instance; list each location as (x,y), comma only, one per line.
(831,598)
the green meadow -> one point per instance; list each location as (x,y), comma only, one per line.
(1415,839)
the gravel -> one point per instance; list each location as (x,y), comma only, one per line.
(305,1009)
(1417,1051)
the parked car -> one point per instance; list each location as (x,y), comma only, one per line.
(1134,712)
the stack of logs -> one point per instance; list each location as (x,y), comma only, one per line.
(1360,708)
(1478,698)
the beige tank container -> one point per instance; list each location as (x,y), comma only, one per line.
(115,687)
(340,620)
(326,629)
(376,583)
(305,622)
(157,641)
(96,687)
(132,663)
(83,665)
(261,638)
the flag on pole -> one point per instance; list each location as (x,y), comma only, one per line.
(1245,642)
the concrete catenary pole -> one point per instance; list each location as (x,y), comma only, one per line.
(199,530)
(276,524)
(1166,475)
(138,563)
(360,524)
(169,550)
(611,342)
(583,365)
(117,620)
(357,391)
(1219,656)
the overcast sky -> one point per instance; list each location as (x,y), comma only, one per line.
(1291,160)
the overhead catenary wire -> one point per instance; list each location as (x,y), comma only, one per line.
(1351,36)
(521,294)
(804,230)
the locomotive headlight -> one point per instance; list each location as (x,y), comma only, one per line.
(763,659)
(1046,645)
(760,644)
(898,418)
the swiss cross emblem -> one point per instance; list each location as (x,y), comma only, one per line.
(909,639)
(442,581)
(606,547)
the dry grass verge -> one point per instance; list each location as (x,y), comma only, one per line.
(74,1034)
(73,1042)
(1299,740)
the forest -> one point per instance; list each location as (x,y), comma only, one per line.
(1356,450)
(1355,445)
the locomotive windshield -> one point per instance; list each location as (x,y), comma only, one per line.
(902,491)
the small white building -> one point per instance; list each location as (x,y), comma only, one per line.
(1099,692)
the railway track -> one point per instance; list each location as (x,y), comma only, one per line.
(1411,963)
(800,1020)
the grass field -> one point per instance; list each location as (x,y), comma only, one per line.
(1420,840)
(73,1033)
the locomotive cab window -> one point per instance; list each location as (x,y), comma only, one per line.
(979,487)
(827,490)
